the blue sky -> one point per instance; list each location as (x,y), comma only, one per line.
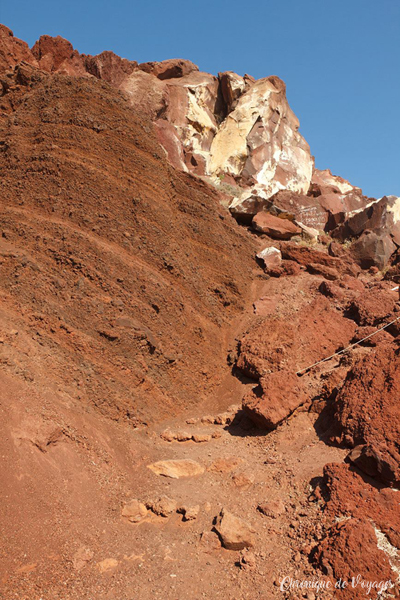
(340,60)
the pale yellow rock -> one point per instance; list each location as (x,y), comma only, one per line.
(177,468)
(263,120)
(308,233)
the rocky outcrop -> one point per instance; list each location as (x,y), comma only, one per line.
(361,540)
(169,69)
(13,50)
(324,182)
(351,548)
(367,415)
(234,130)
(272,343)
(238,133)
(259,144)
(55,54)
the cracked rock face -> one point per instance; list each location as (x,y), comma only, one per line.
(259,142)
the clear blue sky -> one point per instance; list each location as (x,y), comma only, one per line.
(340,60)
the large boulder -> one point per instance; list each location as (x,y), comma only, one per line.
(367,413)
(311,259)
(274,227)
(304,209)
(311,333)
(377,227)
(372,249)
(271,257)
(235,533)
(276,397)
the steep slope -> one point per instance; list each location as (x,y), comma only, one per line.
(126,273)
(137,315)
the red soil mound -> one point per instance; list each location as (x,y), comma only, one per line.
(121,276)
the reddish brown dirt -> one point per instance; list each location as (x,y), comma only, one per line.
(121,277)
(126,289)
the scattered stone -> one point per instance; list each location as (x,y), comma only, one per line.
(191,421)
(177,468)
(207,419)
(183,436)
(135,511)
(190,513)
(164,506)
(216,435)
(243,480)
(235,533)
(224,419)
(297,557)
(271,257)
(247,560)
(201,437)
(168,436)
(272,509)
(209,541)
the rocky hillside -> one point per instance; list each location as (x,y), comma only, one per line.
(173,271)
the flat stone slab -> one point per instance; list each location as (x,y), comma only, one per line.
(177,468)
